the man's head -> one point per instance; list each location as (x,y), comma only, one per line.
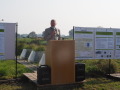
(53,23)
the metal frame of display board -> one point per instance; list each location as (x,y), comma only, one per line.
(16,50)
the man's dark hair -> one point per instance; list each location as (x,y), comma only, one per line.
(53,20)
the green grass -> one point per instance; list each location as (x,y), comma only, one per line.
(101,84)
(7,67)
(8,70)
(90,84)
(18,86)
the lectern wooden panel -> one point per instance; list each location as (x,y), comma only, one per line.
(60,57)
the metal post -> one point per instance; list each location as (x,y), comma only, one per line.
(16,50)
(73,32)
(109,66)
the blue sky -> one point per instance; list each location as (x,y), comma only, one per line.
(35,15)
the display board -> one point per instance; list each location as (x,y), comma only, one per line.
(7,40)
(97,43)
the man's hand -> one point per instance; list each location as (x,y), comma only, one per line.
(53,33)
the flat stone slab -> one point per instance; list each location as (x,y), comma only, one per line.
(28,65)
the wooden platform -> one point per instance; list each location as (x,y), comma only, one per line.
(33,77)
(115,76)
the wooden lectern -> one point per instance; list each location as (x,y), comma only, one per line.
(60,56)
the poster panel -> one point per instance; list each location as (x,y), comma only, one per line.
(7,40)
(84,43)
(117,44)
(104,44)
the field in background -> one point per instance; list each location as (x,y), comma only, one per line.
(36,44)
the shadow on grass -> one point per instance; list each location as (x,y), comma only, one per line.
(93,81)
(25,84)
(64,87)
(32,86)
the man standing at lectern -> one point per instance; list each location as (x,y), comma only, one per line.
(52,33)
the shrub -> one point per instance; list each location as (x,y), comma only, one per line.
(99,67)
(103,66)
(28,43)
(27,46)
(19,48)
(38,47)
